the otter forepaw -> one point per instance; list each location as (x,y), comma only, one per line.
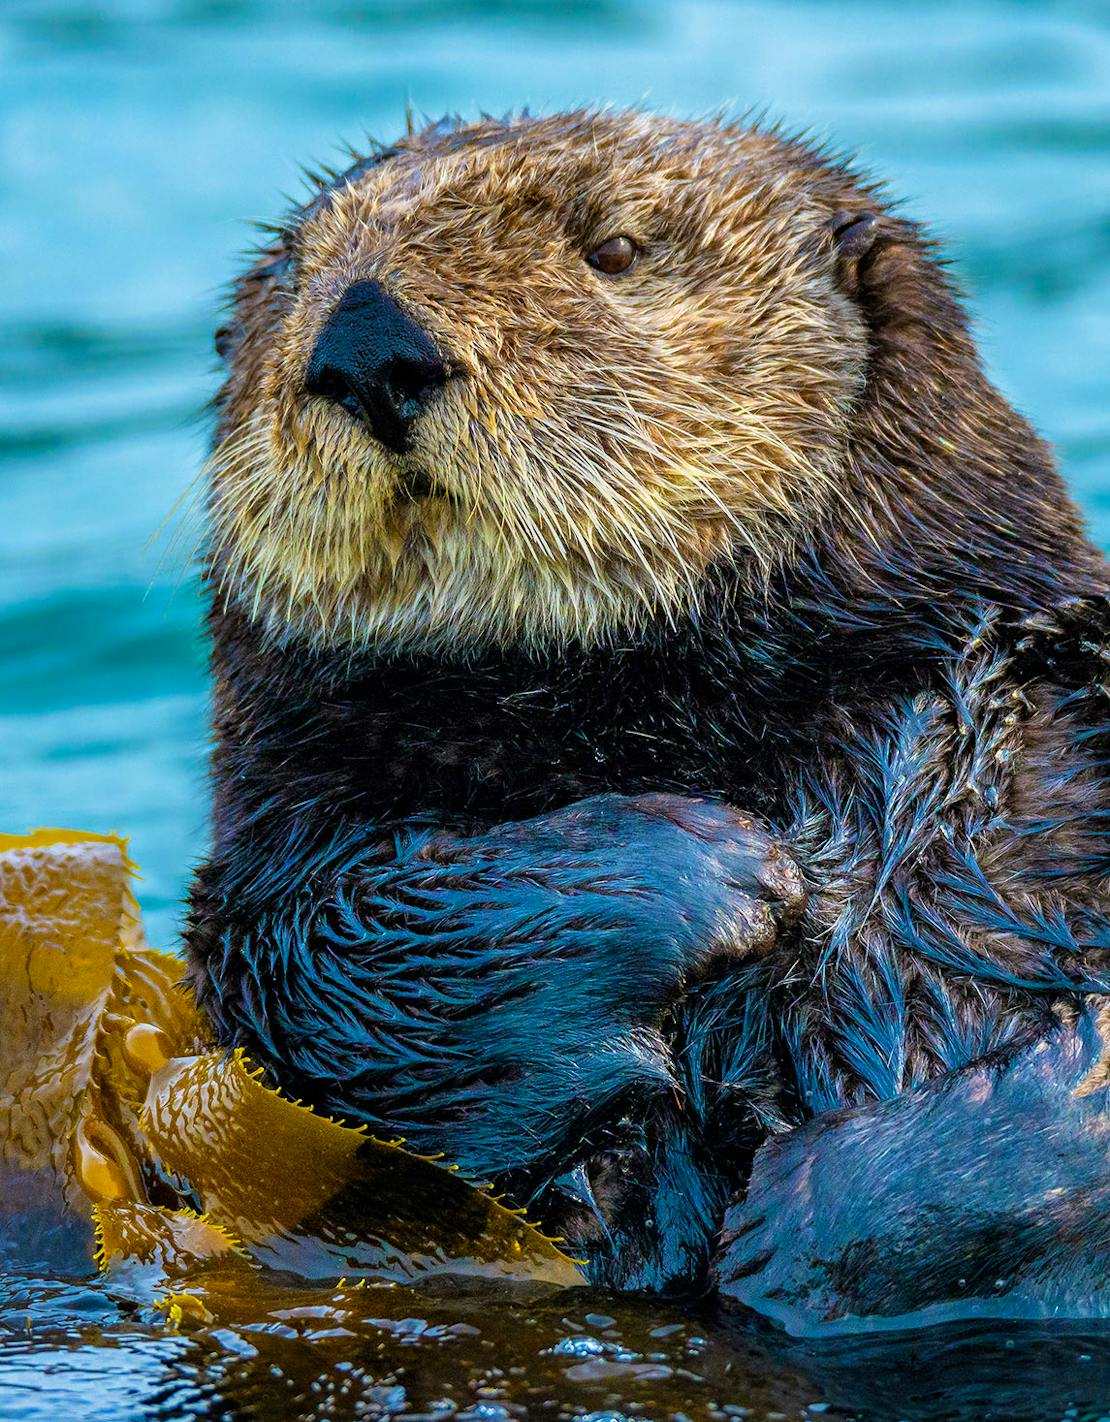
(753,888)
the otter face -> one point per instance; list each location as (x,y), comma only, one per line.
(522,382)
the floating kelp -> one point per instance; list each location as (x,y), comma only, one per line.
(125,1136)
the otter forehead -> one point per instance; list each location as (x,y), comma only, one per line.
(450,417)
(520,181)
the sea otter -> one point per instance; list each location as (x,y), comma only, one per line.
(659,681)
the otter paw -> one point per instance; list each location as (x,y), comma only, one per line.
(753,886)
(670,884)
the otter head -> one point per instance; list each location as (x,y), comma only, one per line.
(522,382)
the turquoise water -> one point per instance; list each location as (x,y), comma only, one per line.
(140,138)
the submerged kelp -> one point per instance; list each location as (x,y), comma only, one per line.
(124,1136)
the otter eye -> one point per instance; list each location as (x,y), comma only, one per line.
(615,256)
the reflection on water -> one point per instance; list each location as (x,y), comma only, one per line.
(489,1353)
(137,138)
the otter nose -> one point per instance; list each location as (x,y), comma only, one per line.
(376,362)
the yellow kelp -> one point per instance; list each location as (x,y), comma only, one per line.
(126,1134)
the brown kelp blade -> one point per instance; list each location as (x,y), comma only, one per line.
(310,1196)
(65,912)
(118,1115)
(174,1242)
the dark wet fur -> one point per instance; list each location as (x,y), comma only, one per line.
(992,1201)
(916,709)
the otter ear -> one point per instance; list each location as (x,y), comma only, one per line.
(226,339)
(854,235)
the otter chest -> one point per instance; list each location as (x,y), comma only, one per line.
(478,747)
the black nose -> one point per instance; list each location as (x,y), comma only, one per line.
(376,362)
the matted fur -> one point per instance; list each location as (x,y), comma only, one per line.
(745,539)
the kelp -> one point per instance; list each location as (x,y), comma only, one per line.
(129,1140)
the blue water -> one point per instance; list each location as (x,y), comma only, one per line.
(140,138)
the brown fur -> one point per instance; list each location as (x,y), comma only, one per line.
(607,437)
(748,522)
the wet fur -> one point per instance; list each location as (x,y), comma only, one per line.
(887,647)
